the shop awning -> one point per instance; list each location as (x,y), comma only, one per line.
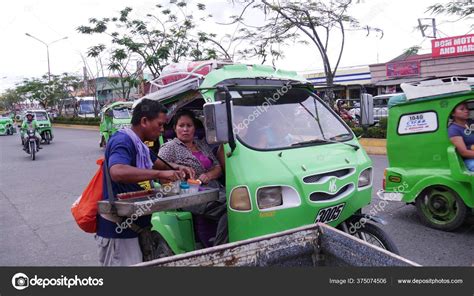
(399,81)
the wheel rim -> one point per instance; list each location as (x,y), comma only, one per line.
(439,206)
(370,238)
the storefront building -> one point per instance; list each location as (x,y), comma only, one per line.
(452,56)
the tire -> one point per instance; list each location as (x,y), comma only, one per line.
(441,208)
(373,235)
(33,150)
(47,137)
(160,246)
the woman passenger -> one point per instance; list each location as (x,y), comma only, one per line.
(195,153)
(462,135)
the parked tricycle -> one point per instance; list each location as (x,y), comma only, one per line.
(425,167)
(290,160)
(6,125)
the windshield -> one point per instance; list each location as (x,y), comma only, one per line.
(39,116)
(86,107)
(294,118)
(122,113)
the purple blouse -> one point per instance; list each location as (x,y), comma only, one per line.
(203,159)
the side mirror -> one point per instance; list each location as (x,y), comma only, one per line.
(18,117)
(215,122)
(366,109)
(109,113)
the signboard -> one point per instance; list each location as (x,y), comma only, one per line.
(406,68)
(452,46)
(416,123)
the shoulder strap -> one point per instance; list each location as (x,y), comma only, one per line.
(112,198)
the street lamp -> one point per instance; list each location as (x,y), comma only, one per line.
(47,49)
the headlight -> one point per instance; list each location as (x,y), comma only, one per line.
(240,199)
(269,197)
(365,178)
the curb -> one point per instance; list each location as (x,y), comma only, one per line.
(76,126)
(371,146)
(374,146)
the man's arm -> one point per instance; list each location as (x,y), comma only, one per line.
(160,165)
(123,173)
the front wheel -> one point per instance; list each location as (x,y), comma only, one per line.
(370,233)
(47,137)
(33,150)
(160,246)
(441,208)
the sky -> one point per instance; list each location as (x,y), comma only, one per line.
(49,20)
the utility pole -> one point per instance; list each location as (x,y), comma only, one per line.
(47,50)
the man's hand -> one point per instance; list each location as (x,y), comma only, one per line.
(187,171)
(170,176)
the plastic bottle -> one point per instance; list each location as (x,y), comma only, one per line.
(184,186)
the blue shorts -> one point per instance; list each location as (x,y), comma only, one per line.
(469,164)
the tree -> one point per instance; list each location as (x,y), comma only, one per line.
(47,92)
(9,99)
(462,9)
(161,38)
(316,23)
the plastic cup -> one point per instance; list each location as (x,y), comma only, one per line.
(194,185)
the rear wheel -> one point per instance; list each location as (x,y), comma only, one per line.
(32,150)
(441,208)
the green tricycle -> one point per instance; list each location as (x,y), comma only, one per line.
(424,167)
(117,116)
(6,125)
(310,169)
(114,116)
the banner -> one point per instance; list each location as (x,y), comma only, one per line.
(452,46)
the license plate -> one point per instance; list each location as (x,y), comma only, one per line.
(329,214)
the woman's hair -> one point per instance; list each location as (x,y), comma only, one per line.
(187,113)
(454,110)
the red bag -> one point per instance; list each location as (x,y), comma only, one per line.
(84,209)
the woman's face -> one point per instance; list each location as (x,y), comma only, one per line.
(461,112)
(185,129)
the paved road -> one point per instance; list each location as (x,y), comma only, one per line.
(37,228)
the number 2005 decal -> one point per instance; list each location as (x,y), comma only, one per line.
(330,214)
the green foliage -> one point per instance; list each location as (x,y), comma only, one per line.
(9,98)
(462,9)
(378,131)
(78,120)
(48,92)
(166,35)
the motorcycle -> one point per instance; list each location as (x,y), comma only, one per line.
(30,143)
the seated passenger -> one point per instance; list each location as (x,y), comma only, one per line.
(194,153)
(461,134)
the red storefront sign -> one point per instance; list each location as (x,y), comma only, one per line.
(452,46)
(405,68)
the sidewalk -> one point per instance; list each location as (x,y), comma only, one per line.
(372,146)
(75,126)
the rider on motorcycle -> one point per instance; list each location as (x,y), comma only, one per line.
(30,123)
